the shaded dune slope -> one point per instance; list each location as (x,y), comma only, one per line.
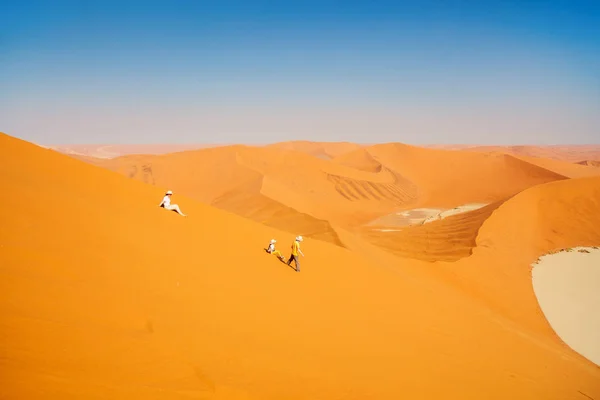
(449,239)
(590,163)
(247,201)
(116,298)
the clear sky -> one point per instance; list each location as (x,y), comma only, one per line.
(221,71)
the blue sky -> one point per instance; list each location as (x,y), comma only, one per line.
(484,72)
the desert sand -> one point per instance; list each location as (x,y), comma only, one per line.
(106,295)
(112,150)
(566,286)
(569,153)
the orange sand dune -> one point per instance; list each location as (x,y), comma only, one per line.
(567,169)
(448,178)
(449,239)
(116,150)
(538,221)
(105,295)
(590,163)
(291,179)
(359,159)
(569,153)
(351,190)
(323,150)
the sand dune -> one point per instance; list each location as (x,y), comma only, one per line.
(590,163)
(451,178)
(359,159)
(535,222)
(105,295)
(568,153)
(322,150)
(447,239)
(115,150)
(567,169)
(566,285)
(348,191)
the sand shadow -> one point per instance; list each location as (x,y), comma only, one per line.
(280,260)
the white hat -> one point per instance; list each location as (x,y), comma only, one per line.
(299,238)
(273,241)
(169,192)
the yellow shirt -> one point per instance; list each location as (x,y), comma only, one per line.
(295,247)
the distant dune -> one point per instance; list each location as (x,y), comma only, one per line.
(106,295)
(590,163)
(569,153)
(323,150)
(116,150)
(292,186)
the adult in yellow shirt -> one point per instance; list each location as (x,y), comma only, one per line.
(295,252)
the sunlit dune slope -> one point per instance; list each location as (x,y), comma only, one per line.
(116,150)
(449,239)
(105,295)
(359,159)
(567,169)
(322,150)
(568,153)
(537,221)
(450,178)
(545,218)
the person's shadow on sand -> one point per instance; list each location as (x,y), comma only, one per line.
(280,260)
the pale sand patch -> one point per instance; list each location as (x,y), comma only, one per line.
(418,216)
(567,286)
(453,211)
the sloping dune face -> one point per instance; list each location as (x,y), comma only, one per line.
(105,295)
(359,159)
(569,170)
(568,153)
(590,163)
(538,221)
(322,150)
(450,178)
(111,151)
(449,239)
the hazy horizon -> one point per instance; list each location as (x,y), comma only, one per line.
(256,72)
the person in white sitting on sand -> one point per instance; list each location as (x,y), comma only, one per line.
(166,203)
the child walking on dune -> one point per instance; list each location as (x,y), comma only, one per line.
(271,250)
(166,203)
